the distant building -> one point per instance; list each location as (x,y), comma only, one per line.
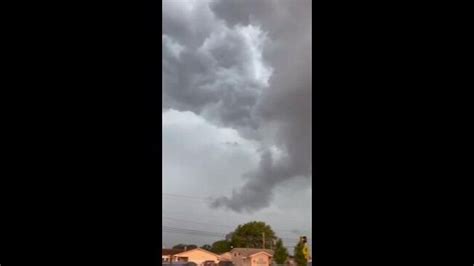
(198,256)
(227,256)
(252,257)
(166,254)
(202,257)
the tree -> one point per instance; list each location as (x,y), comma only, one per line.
(281,253)
(206,247)
(179,246)
(299,255)
(251,235)
(228,237)
(189,247)
(221,246)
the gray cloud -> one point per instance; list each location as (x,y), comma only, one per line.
(245,65)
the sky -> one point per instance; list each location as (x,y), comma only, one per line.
(236,118)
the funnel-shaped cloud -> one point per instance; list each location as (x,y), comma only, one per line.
(245,65)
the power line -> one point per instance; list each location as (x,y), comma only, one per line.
(201,199)
(185,231)
(192,233)
(213,235)
(233,217)
(187,213)
(192,230)
(227,226)
(208,199)
(186,196)
(203,223)
(171,229)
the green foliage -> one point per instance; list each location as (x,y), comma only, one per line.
(221,246)
(179,246)
(281,253)
(250,235)
(206,247)
(299,255)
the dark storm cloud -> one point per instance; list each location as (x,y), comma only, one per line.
(221,79)
(247,66)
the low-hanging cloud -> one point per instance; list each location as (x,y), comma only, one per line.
(245,65)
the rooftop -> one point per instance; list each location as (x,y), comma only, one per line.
(250,251)
(168,251)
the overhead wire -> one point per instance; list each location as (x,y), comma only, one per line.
(201,232)
(172,229)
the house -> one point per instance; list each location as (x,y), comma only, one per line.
(199,256)
(226,256)
(251,257)
(225,259)
(166,254)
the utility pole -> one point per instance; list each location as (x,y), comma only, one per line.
(263,234)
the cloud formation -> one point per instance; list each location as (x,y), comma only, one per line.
(245,65)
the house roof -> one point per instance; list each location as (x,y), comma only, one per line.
(263,251)
(251,251)
(226,256)
(197,249)
(169,251)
